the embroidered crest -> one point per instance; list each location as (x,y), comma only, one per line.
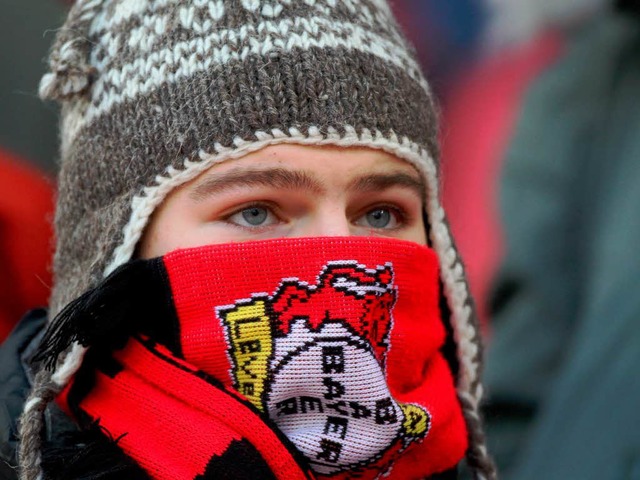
(313,358)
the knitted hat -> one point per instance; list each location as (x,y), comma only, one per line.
(154,93)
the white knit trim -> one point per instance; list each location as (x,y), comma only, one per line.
(32,403)
(185,59)
(456,291)
(69,365)
(451,270)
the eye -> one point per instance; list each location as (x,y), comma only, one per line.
(380,217)
(253,216)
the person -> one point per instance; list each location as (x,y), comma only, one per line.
(254,277)
(562,361)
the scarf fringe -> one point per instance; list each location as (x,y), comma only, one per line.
(102,315)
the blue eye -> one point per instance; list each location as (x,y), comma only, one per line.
(379,218)
(254,216)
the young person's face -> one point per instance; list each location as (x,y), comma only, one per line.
(292,191)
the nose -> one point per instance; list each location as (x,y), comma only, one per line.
(330,221)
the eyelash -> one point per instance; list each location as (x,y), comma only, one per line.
(401,215)
(266,205)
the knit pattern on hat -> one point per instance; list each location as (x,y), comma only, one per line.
(167,81)
(154,93)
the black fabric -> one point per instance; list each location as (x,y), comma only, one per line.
(240,461)
(128,301)
(88,455)
(448,475)
(631,6)
(67,453)
(14,382)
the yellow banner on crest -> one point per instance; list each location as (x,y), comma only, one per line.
(251,345)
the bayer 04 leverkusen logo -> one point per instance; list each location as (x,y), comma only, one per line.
(313,358)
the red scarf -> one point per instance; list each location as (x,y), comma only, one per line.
(278,358)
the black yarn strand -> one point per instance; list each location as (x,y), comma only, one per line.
(101,315)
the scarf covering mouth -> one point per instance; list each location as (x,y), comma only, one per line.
(289,358)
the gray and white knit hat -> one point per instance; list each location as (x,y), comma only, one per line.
(155,92)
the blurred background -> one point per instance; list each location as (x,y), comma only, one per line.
(540,144)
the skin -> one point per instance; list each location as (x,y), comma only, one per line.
(291,191)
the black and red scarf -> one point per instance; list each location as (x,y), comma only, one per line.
(285,359)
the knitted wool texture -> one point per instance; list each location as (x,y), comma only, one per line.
(150,85)
(341,364)
(153,93)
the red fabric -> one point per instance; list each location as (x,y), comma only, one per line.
(26,239)
(323,352)
(172,422)
(316,280)
(478,120)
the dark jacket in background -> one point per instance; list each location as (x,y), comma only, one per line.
(68,454)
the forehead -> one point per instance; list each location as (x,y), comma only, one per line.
(311,167)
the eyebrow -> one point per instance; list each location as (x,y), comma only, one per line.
(279,178)
(286,179)
(385,181)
